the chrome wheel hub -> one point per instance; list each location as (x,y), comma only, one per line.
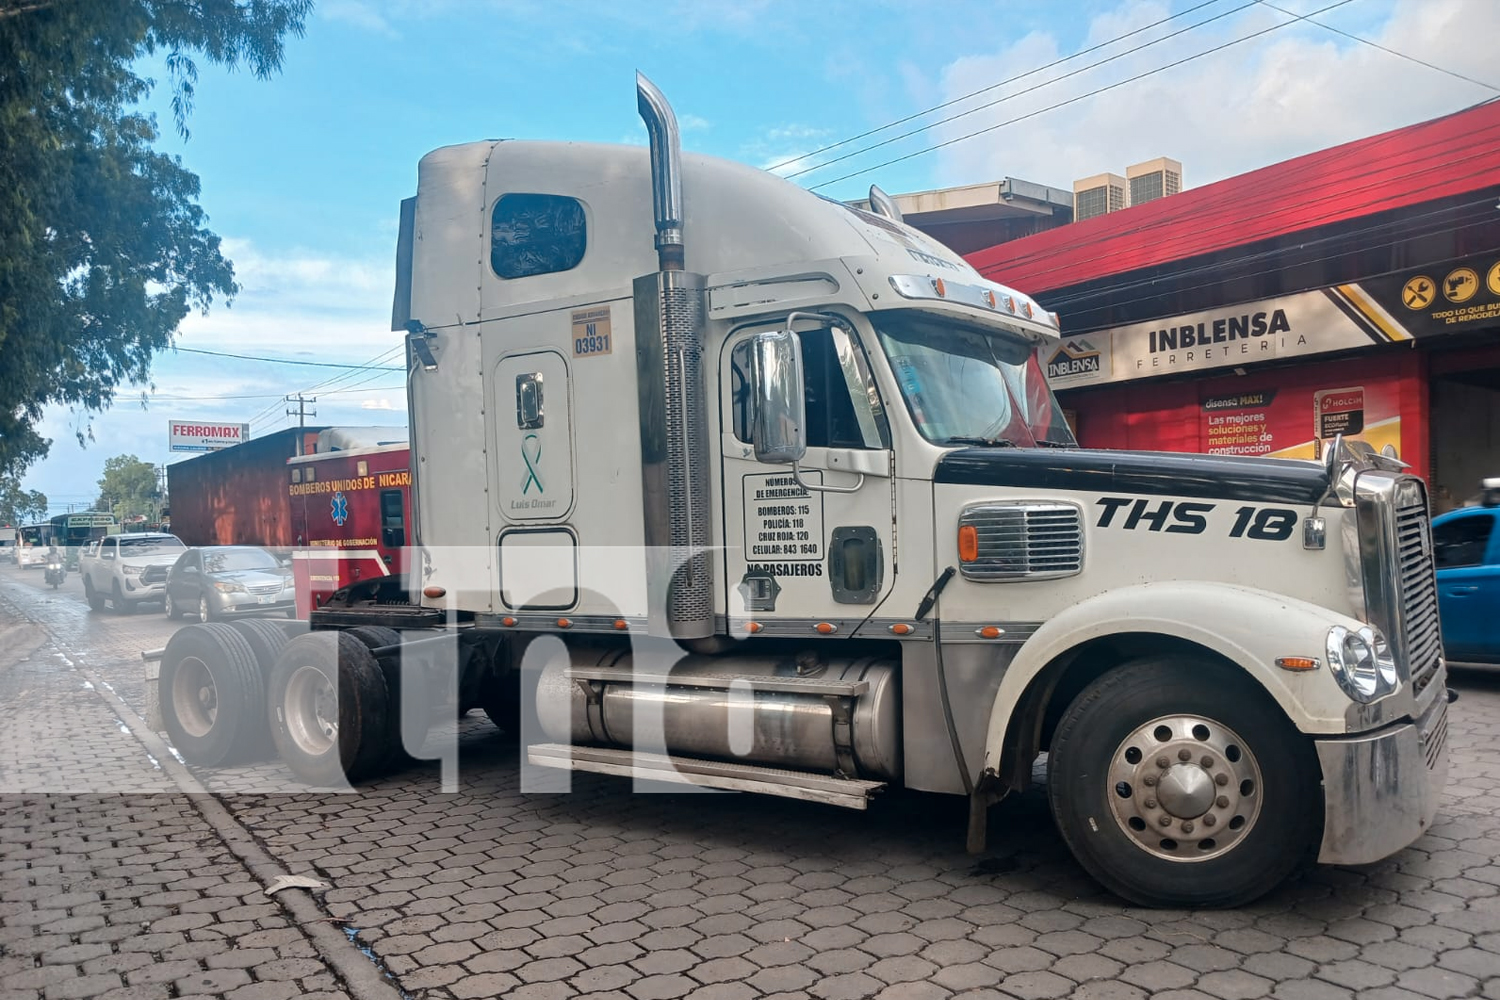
(1184,788)
(195,699)
(311,711)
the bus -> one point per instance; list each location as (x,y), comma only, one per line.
(73,532)
(31,544)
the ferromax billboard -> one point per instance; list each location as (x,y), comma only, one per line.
(205,435)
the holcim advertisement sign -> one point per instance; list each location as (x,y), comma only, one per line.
(203,435)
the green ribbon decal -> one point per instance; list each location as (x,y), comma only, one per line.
(531,456)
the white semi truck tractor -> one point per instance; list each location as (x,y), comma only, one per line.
(770,493)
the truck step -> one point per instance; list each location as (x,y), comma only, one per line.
(764,685)
(847,792)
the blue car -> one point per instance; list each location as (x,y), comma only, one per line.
(1466,547)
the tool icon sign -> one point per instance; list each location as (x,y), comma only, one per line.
(1493,279)
(1419,292)
(1460,285)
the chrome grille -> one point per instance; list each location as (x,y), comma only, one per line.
(1024,541)
(265,588)
(1417,580)
(1437,739)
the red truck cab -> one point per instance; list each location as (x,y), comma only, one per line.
(350,517)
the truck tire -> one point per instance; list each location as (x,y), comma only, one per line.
(1177,784)
(374,637)
(117,600)
(327,708)
(95,599)
(266,640)
(213,699)
(501,700)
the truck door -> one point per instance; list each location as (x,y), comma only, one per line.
(797,558)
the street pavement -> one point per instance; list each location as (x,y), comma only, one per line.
(606,893)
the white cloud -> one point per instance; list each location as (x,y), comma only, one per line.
(783,149)
(1291,91)
(376,404)
(357,13)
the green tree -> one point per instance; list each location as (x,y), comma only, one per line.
(128,487)
(18,506)
(103,246)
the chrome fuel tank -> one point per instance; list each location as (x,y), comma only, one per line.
(731,722)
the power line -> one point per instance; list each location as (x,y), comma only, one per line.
(1080,97)
(993,86)
(278,361)
(301,412)
(1382,48)
(1021,93)
(153,397)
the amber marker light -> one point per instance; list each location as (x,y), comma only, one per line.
(826,628)
(565,623)
(753,627)
(1296,663)
(434,592)
(939,287)
(990,632)
(901,628)
(968,543)
(507,621)
(621,624)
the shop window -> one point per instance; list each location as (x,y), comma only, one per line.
(536,234)
(1462,542)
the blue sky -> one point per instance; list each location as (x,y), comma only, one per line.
(302,174)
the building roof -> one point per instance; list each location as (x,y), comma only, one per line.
(1435,159)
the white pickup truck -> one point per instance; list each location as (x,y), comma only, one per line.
(128,570)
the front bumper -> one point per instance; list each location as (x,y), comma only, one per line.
(1381,790)
(135,590)
(249,604)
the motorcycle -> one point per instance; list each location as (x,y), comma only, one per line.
(56,572)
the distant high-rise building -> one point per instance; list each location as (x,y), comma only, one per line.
(1154,179)
(1098,195)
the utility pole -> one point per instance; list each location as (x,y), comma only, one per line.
(301,412)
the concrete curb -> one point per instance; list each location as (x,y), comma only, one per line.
(361,977)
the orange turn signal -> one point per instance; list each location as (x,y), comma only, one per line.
(826,628)
(621,624)
(507,621)
(990,632)
(753,627)
(968,543)
(565,623)
(940,288)
(434,592)
(901,628)
(1296,663)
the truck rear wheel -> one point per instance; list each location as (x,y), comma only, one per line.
(328,708)
(374,637)
(212,696)
(1177,784)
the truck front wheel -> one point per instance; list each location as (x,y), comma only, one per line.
(1177,784)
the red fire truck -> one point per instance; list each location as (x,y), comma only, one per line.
(350,511)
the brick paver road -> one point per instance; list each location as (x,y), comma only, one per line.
(603,893)
(123,894)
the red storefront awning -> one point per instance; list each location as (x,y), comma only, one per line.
(1424,162)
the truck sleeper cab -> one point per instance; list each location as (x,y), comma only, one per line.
(741,487)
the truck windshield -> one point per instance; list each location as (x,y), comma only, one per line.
(967,386)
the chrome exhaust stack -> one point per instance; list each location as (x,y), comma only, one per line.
(675,470)
(666,172)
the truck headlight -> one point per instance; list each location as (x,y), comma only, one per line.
(226,587)
(130,570)
(1361,662)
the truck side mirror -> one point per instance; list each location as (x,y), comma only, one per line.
(780,422)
